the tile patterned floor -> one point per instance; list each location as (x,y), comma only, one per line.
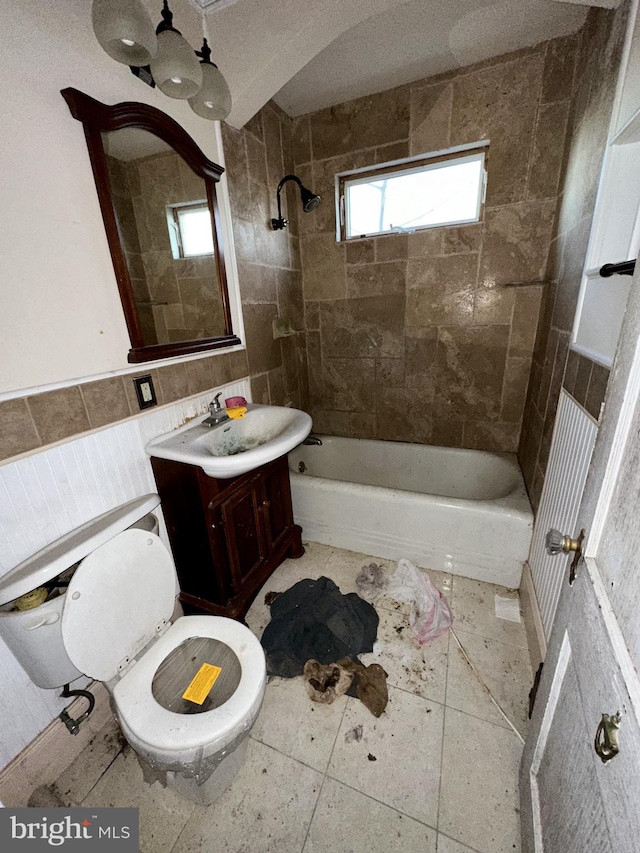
(446,762)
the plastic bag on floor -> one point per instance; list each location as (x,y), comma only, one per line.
(430,613)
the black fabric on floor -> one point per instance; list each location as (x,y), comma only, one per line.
(314,619)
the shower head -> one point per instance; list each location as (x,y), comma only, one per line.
(310,201)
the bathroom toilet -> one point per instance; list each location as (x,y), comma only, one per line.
(113,624)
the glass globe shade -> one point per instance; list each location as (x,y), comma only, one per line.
(175,66)
(213,101)
(124,30)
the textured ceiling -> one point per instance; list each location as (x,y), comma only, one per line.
(311,54)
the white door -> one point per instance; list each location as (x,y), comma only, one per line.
(573,802)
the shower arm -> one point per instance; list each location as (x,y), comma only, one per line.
(280,223)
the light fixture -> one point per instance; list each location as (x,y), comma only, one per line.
(124,30)
(213,101)
(161,58)
(309,201)
(175,67)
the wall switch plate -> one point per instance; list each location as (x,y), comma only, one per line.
(145,392)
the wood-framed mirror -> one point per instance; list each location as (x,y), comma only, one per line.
(157,194)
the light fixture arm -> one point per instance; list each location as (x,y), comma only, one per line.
(167,20)
(205,53)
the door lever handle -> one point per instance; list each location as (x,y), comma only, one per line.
(558,543)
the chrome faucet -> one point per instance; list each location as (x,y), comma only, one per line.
(217,414)
(313,439)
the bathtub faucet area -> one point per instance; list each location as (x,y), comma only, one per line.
(313,439)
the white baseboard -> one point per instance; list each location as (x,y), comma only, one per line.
(47,756)
(536,639)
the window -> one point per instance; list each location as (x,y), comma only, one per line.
(190,229)
(422,192)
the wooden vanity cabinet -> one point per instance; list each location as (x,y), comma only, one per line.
(227,536)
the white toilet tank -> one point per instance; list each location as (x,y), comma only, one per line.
(34,635)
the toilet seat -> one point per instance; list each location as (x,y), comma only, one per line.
(166,734)
(120,597)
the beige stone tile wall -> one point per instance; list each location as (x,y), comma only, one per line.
(417,337)
(178,298)
(27,423)
(257,158)
(554,364)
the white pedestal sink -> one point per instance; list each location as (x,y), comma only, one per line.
(235,446)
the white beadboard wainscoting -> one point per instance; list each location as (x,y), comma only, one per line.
(46,494)
(574,435)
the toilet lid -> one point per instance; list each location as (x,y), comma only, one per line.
(119,597)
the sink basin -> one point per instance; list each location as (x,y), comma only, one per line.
(235,446)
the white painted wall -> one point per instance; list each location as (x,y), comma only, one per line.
(47,494)
(61,317)
(60,313)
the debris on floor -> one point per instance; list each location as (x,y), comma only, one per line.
(464,654)
(313,620)
(354,734)
(372,581)
(369,685)
(371,757)
(325,682)
(430,612)
(270,597)
(47,797)
(507,608)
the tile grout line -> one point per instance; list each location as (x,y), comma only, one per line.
(461,843)
(381,802)
(444,720)
(106,770)
(324,776)
(443,704)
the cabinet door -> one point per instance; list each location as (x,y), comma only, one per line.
(277,513)
(244,532)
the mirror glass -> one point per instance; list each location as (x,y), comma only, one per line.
(166,233)
(157,194)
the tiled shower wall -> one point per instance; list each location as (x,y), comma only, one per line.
(554,364)
(420,337)
(257,158)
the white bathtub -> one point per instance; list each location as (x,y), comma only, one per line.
(459,511)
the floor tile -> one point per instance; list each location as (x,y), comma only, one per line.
(83,773)
(344,567)
(307,730)
(479,803)
(504,668)
(448,845)
(346,821)
(163,812)
(268,808)
(397,760)
(381,791)
(473,606)
(419,669)
(311,565)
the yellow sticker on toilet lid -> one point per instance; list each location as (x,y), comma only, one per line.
(202,682)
